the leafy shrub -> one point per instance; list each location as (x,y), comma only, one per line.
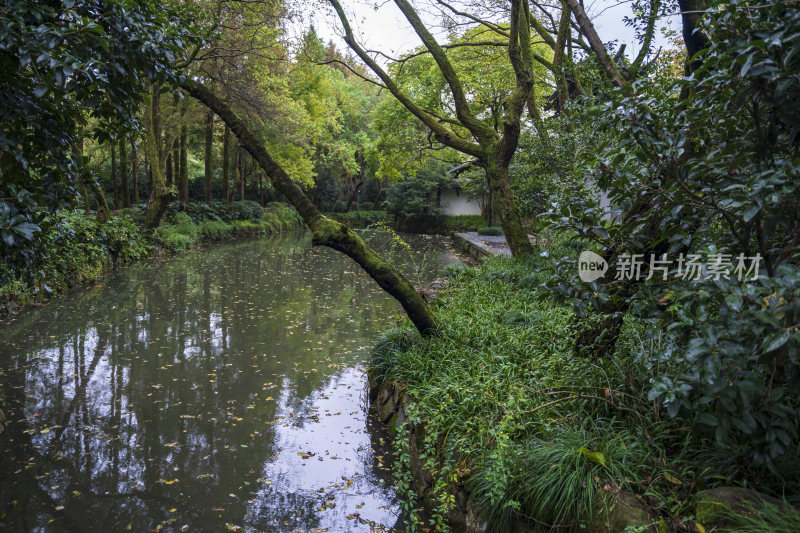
(72,248)
(124,238)
(217,210)
(184,224)
(413,199)
(706,168)
(246,209)
(490,230)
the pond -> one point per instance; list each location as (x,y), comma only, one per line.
(222,390)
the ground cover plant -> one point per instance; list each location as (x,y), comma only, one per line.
(535,434)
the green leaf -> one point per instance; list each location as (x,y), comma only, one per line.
(775,341)
(595,457)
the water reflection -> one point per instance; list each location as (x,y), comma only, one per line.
(221,390)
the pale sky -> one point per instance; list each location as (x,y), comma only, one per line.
(381,26)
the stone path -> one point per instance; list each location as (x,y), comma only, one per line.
(486,245)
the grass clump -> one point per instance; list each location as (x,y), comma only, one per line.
(491,231)
(182,234)
(214,230)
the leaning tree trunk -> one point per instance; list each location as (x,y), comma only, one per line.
(326,232)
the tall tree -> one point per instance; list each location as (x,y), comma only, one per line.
(161,193)
(492,149)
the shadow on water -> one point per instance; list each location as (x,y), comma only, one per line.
(221,390)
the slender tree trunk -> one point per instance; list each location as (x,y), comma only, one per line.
(242,175)
(80,172)
(102,203)
(114,188)
(226,164)
(184,171)
(353,194)
(326,232)
(124,172)
(598,48)
(378,195)
(176,159)
(237,171)
(208,159)
(135,171)
(558,57)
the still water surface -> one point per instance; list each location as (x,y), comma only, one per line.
(223,390)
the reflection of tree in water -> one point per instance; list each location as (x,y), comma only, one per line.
(152,398)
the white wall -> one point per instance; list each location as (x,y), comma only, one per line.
(454,201)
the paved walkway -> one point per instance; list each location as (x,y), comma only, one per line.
(488,244)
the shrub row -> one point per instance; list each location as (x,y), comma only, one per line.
(74,249)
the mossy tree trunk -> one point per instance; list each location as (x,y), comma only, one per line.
(326,232)
(161,195)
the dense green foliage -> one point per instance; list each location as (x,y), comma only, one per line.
(75,249)
(54,77)
(709,170)
(533,432)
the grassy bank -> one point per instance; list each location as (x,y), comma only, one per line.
(539,437)
(76,250)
